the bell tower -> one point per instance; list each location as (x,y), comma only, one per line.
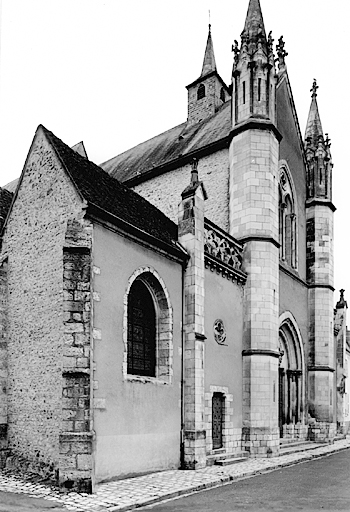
(209,92)
(254,152)
(319,226)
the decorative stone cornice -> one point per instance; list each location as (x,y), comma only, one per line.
(256,123)
(260,352)
(320,368)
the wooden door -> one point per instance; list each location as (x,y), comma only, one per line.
(217,417)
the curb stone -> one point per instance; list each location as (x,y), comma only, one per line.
(133,493)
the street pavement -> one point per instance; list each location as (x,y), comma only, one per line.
(130,493)
(317,485)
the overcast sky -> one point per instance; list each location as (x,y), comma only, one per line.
(113,73)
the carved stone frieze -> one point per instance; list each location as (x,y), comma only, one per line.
(223,253)
(221,248)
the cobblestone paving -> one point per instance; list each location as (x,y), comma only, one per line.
(131,493)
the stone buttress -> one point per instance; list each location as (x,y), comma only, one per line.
(191,237)
(342,367)
(319,219)
(254,151)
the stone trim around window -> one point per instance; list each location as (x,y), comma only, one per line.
(164,327)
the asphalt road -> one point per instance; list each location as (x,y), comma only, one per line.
(13,502)
(321,484)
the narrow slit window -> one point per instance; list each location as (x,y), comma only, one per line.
(259,89)
(243,93)
(222,95)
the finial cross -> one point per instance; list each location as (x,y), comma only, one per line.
(314,88)
(281,53)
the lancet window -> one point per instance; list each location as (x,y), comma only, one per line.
(287,220)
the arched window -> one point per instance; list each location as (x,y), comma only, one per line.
(287,219)
(148,328)
(201,92)
(289,239)
(141,331)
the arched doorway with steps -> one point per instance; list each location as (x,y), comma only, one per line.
(291,411)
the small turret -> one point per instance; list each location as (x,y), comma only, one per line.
(318,154)
(254,76)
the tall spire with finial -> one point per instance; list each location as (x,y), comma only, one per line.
(314,125)
(208,93)
(209,63)
(318,154)
(254,27)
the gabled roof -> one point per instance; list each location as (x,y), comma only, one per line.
(5,203)
(283,80)
(11,187)
(108,199)
(79,148)
(100,190)
(181,142)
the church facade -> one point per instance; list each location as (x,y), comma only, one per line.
(174,306)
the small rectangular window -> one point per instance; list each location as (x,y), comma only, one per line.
(243,93)
(259,89)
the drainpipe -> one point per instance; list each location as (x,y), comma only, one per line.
(182,434)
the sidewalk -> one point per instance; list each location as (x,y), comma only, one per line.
(122,495)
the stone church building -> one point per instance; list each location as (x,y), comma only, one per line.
(174,305)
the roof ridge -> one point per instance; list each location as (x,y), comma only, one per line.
(144,142)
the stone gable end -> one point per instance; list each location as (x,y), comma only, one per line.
(33,240)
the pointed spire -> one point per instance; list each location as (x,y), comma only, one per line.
(318,153)
(254,24)
(209,63)
(314,125)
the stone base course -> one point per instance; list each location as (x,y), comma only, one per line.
(122,495)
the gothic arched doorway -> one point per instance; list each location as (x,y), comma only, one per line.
(291,403)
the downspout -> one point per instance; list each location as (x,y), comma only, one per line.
(92,365)
(182,434)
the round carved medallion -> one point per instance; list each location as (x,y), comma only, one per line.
(219,332)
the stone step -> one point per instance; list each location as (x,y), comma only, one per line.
(302,446)
(222,456)
(227,462)
(340,437)
(294,442)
